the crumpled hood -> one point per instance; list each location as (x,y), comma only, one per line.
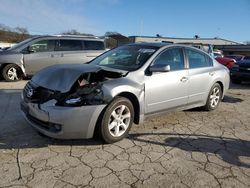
(62,77)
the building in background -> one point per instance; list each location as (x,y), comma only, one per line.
(228,47)
(234,49)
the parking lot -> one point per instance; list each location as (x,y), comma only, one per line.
(192,148)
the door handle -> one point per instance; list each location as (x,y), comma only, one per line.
(57,55)
(211,73)
(184,79)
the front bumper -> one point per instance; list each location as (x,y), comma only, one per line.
(62,122)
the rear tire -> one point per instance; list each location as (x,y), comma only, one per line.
(12,73)
(214,97)
(117,120)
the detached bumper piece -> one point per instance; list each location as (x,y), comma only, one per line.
(62,122)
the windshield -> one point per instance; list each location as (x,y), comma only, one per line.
(20,44)
(128,58)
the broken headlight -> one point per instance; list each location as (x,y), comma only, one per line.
(85,96)
(73,101)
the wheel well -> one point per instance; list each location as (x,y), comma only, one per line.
(5,64)
(2,66)
(221,85)
(135,103)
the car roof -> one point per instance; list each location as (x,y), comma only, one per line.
(68,37)
(152,44)
(163,44)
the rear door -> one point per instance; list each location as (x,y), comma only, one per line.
(92,49)
(201,73)
(39,55)
(78,51)
(69,51)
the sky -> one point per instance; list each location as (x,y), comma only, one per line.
(228,19)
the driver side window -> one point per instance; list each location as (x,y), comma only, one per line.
(43,46)
(173,57)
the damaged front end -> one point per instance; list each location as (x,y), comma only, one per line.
(65,101)
(69,85)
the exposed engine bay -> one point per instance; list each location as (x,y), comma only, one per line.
(88,88)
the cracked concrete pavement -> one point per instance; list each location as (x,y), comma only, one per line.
(182,149)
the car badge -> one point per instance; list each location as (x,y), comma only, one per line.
(30,92)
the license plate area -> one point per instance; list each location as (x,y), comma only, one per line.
(35,111)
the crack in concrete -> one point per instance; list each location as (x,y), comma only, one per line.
(18,165)
(146,156)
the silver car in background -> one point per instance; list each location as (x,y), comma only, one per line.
(122,87)
(34,54)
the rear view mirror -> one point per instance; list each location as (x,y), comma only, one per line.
(159,68)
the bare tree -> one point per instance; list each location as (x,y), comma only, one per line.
(197,37)
(247,42)
(21,33)
(8,34)
(21,30)
(75,32)
(4,27)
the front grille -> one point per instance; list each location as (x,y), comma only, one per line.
(36,94)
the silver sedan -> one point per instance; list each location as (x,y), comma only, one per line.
(121,87)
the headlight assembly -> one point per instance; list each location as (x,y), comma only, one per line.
(73,101)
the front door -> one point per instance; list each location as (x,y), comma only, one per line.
(167,90)
(40,55)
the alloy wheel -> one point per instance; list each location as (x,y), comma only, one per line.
(12,74)
(215,97)
(119,120)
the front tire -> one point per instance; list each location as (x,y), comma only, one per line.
(12,73)
(117,120)
(214,97)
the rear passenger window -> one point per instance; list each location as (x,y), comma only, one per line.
(197,59)
(172,57)
(69,45)
(209,60)
(93,45)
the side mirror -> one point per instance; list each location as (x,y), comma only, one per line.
(159,68)
(30,49)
